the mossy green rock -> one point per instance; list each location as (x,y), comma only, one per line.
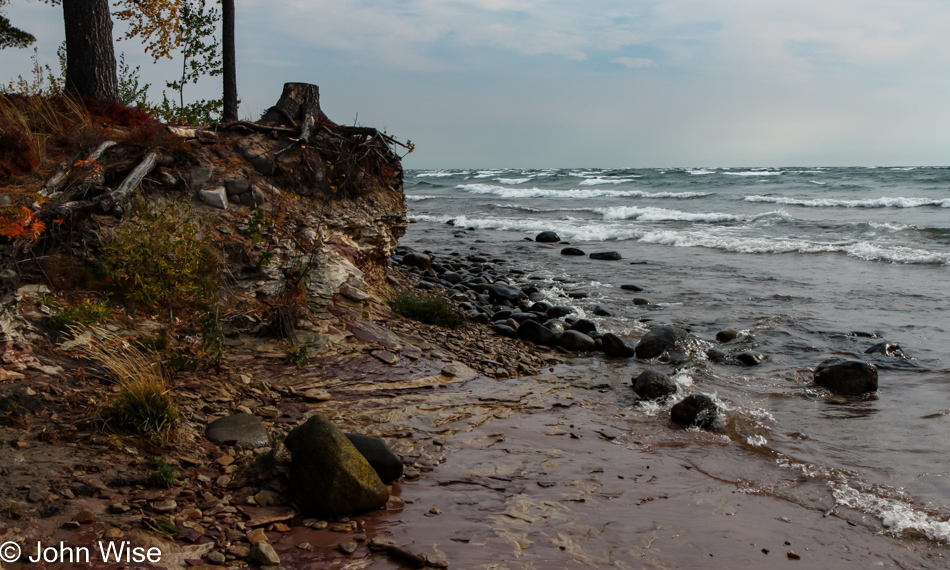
(328,474)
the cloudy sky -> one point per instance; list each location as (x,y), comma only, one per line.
(599,83)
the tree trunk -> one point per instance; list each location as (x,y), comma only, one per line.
(296,103)
(90,58)
(230,68)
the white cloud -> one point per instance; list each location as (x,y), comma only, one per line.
(634,62)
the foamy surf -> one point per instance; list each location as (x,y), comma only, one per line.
(884,202)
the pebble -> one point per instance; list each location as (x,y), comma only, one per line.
(347,547)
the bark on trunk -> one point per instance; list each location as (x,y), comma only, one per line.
(90,58)
(230,68)
(296,103)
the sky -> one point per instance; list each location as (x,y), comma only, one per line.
(598,83)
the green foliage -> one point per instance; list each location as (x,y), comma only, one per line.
(161,258)
(299,355)
(163,474)
(11,36)
(43,82)
(428,309)
(86,312)
(255,222)
(200,57)
(212,333)
(131,91)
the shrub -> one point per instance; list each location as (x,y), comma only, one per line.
(161,259)
(142,405)
(299,355)
(86,312)
(429,309)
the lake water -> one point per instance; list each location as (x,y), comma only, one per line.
(807,263)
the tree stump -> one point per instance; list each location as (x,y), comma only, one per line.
(297,102)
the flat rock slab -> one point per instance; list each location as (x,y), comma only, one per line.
(606,255)
(240,429)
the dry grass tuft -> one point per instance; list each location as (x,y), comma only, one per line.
(143,404)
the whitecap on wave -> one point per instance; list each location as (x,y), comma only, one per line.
(512,193)
(884,202)
(647,214)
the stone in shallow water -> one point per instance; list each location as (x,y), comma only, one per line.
(847,377)
(572,251)
(386,463)
(328,474)
(653,385)
(239,429)
(547,237)
(695,410)
(576,341)
(606,255)
(614,346)
(661,339)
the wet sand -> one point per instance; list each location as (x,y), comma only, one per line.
(557,470)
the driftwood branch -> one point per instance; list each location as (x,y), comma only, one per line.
(135,177)
(58,180)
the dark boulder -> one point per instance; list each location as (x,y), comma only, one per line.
(606,255)
(886,349)
(561,311)
(416,259)
(501,315)
(584,326)
(695,410)
(554,325)
(653,385)
(614,346)
(716,355)
(382,459)
(750,358)
(537,333)
(640,301)
(451,277)
(576,341)
(238,429)
(847,377)
(505,330)
(328,474)
(503,292)
(726,335)
(522,317)
(661,339)
(540,307)
(634,288)
(572,251)
(602,311)
(547,237)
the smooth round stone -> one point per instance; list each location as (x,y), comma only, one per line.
(239,429)
(572,251)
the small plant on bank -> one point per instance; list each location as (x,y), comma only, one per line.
(86,312)
(298,355)
(162,259)
(163,474)
(143,404)
(428,309)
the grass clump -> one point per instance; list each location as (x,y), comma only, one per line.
(163,474)
(428,309)
(142,404)
(86,312)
